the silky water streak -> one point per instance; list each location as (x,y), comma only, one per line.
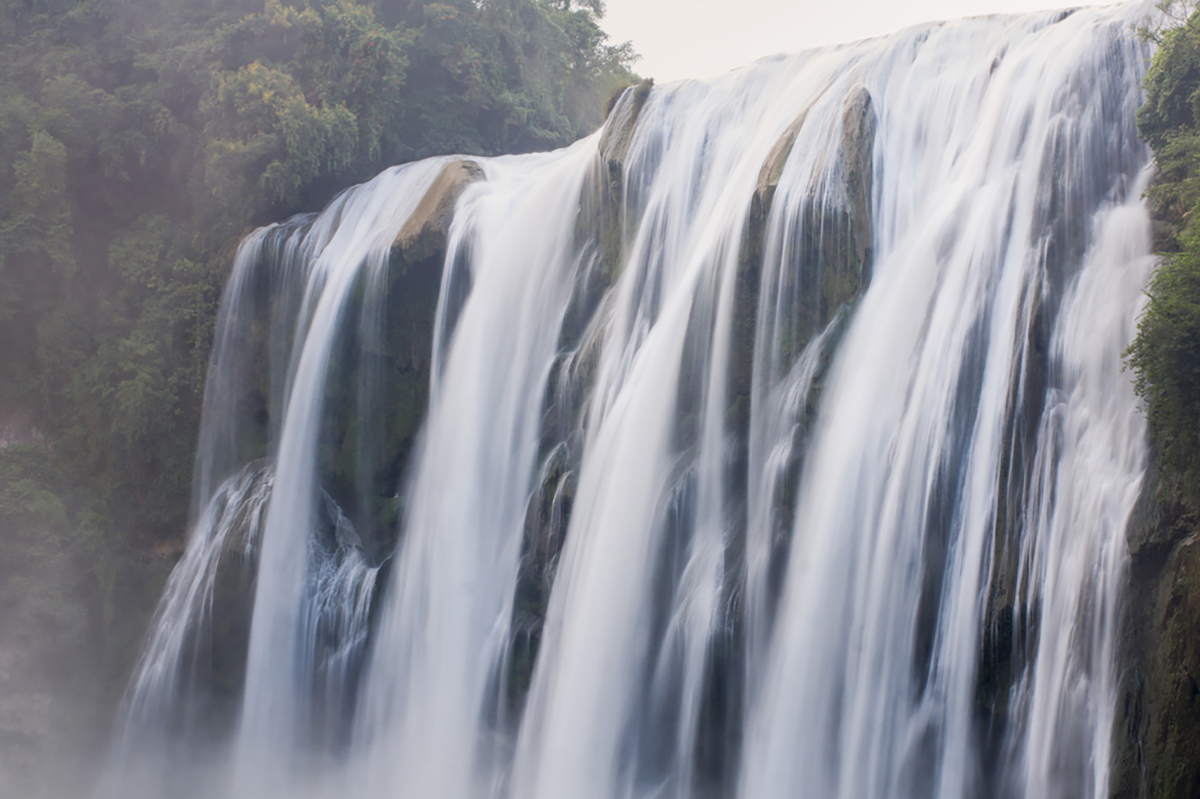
(776,443)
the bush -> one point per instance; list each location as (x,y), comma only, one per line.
(1165,355)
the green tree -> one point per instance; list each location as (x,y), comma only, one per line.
(1165,355)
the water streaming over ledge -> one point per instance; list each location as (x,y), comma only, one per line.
(776,444)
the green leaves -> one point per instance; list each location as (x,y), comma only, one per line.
(1165,358)
(318,104)
(307,100)
(41,221)
(1165,355)
(1171,84)
(261,124)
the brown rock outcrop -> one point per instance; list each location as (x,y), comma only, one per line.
(425,232)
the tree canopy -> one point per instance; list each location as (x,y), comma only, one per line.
(1165,356)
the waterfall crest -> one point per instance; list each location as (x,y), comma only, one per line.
(773,440)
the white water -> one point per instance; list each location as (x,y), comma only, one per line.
(783,579)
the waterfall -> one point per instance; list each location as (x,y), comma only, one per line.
(771,441)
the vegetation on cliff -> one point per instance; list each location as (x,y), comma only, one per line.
(1165,356)
(1158,752)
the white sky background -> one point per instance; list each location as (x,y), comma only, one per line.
(700,38)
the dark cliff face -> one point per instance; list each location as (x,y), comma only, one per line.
(1157,729)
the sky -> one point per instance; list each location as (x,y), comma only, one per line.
(700,38)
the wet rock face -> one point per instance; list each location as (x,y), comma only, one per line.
(1156,733)
(601,229)
(772,168)
(425,232)
(828,263)
(618,131)
(368,441)
(858,145)
(834,247)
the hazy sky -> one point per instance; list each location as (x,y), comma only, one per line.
(698,38)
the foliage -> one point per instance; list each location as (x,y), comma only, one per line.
(1165,355)
(1168,120)
(1167,15)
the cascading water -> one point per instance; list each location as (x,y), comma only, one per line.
(776,444)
